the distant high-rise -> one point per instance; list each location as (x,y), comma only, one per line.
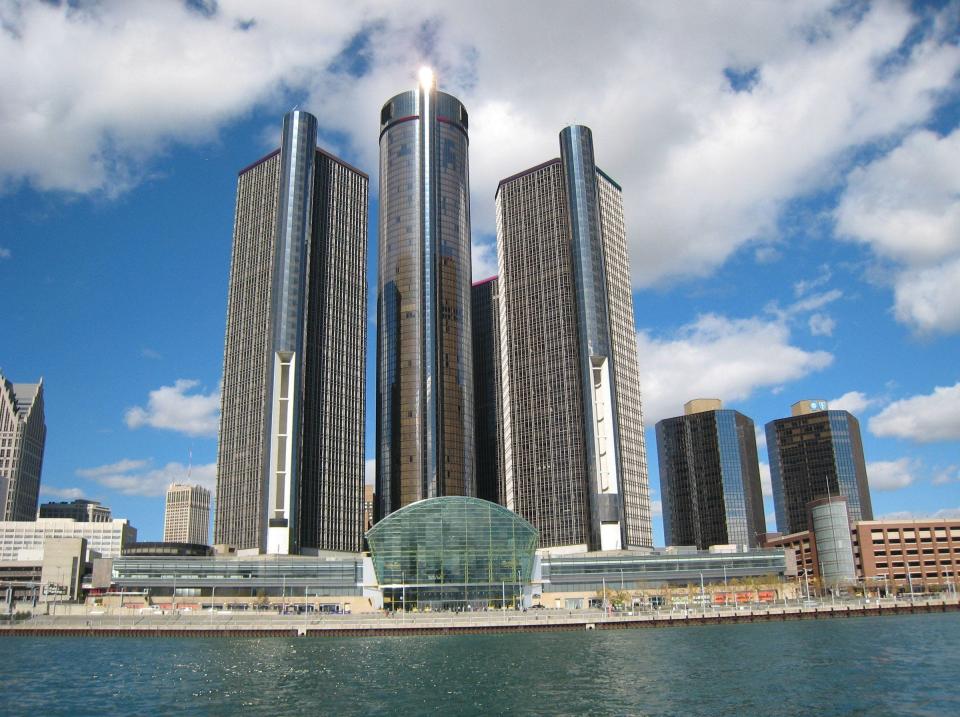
(425,431)
(487,390)
(290,461)
(575,459)
(187,516)
(710,477)
(81,510)
(23,434)
(816,453)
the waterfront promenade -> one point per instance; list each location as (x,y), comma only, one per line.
(235,624)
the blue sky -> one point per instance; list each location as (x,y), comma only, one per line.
(791,177)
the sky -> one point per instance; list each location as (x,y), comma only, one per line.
(790,173)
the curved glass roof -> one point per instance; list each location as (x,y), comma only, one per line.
(452,541)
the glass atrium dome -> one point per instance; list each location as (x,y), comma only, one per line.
(452,552)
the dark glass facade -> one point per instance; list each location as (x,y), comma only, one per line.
(812,456)
(425,421)
(710,480)
(452,552)
(485,307)
(575,459)
(290,460)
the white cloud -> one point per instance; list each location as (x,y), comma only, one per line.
(761,434)
(929,299)
(906,207)
(370,471)
(853,401)
(484,260)
(5,253)
(647,77)
(171,408)
(805,285)
(63,493)
(718,356)
(821,324)
(656,508)
(137,477)
(942,514)
(892,475)
(925,418)
(766,484)
(149,353)
(948,475)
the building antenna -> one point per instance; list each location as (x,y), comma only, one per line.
(189,464)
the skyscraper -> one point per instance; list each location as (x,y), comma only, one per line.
(710,477)
(816,453)
(487,390)
(187,515)
(23,435)
(290,461)
(575,459)
(425,432)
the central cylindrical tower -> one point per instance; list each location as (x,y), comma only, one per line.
(424,353)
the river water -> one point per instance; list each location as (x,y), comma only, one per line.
(860,666)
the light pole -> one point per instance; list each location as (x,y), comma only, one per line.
(703,600)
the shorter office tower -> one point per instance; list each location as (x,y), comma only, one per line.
(575,461)
(816,453)
(710,477)
(187,517)
(487,390)
(80,510)
(24,539)
(23,434)
(889,556)
(368,500)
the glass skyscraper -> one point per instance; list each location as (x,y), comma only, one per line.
(425,431)
(290,463)
(816,453)
(575,460)
(710,477)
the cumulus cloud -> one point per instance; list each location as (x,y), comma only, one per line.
(853,401)
(172,408)
(719,356)
(706,161)
(656,508)
(139,477)
(484,259)
(906,207)
(925,418)
(892,475)
(766,484)
(370,471)
(929,299)
(63,493)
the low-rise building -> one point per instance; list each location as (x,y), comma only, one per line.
(24,539)
(80,510)
(890,555)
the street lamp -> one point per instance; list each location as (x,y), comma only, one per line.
(703,600)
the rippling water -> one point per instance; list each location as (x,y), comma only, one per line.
(862,666)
